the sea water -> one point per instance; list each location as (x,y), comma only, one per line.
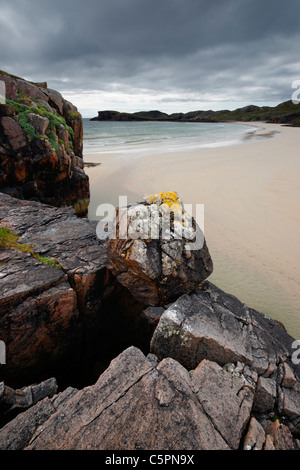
(124,142)
(139,138)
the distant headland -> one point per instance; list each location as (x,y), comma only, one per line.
(285,113)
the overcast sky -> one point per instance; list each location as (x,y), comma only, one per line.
(171,55)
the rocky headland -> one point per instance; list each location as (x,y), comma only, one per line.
(41,141)
(285,113)
(122,343)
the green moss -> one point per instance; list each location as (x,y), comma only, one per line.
(53,263)
(9,240)
(42,137)
(26,126)
(53,141)
(74,115)
(23,110)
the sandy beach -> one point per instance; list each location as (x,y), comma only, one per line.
(251,194)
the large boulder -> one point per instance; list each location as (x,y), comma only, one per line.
(158,251)
(210,323)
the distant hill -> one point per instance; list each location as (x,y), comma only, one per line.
(284,113)
(140,116)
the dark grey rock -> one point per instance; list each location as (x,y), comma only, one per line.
(210,324)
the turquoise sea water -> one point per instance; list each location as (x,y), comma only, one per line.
(138,138)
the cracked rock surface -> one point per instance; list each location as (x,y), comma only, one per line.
(50,317)
(210,323)
(139,403)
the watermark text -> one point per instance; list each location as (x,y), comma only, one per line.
(152,222)
(296,354)
(2,92)
(296,94)
(2,353)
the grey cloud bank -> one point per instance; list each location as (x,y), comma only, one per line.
(139,54)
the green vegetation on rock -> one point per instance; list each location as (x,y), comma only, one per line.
(24,106)
(9,241)
(74,115)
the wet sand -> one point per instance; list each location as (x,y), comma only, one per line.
(251,194)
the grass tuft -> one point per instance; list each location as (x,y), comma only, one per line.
(9,241)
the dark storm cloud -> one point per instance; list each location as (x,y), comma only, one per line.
(243,50)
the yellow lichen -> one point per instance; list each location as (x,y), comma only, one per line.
(167,201)
(170,198)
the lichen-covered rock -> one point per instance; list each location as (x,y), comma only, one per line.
(41,141)
(152,254)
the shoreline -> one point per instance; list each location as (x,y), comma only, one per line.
(252,219)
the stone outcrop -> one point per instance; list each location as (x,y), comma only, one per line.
(152,258)
(58,319)
(12,401)
(17,433)
(211,323)
(139,403)
(41,141)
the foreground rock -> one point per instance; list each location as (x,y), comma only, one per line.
(57,320)
(12,401)
(210,324)
(138,403)
(158,252)
(41,137)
